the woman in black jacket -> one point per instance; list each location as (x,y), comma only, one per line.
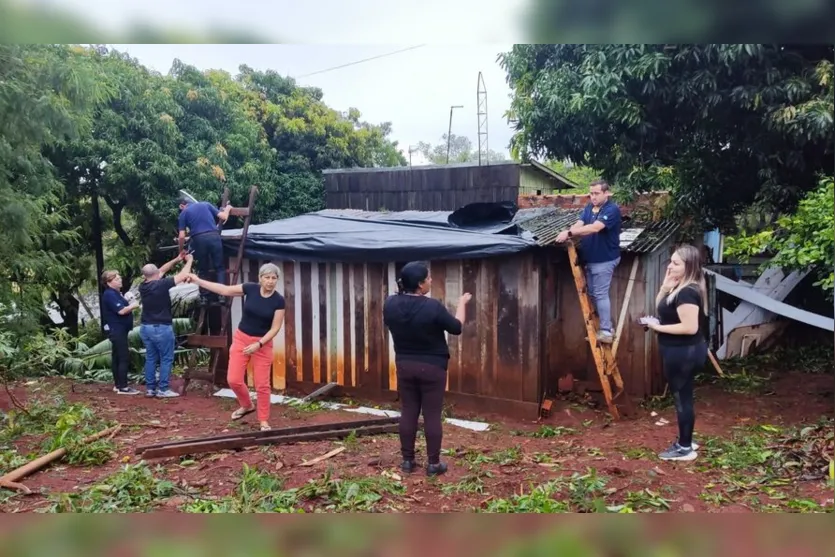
(418,325)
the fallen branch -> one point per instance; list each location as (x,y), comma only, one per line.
(323,457)
(12,477)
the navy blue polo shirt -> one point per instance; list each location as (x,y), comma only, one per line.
(605,245)
(198,217)
(112,302)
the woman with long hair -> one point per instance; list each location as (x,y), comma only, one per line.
(418,325)
(261,319)
(117,314)
(682,306)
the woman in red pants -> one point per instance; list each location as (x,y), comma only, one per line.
(261,320)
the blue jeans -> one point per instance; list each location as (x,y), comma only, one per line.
(159,350)
(599,279)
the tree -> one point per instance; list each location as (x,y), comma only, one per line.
(460,151)
(157,134)
(580,175)
(799,241)
(46,95)
(726,126)
(606,21)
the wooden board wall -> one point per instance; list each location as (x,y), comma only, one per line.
(421,188)
(568,351)
(334,327)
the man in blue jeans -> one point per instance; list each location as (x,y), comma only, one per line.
(156,326)
(599,231)
(201,219)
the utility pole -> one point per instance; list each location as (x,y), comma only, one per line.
(449,132)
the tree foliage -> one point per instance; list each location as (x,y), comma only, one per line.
(580,175)
(801,240)
(460,150)
(46,96)
(89,128)
(726,126)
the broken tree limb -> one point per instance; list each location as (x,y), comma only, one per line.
(12,477)
(323,457)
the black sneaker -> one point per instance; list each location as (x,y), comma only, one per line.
(436,469)
(125,391)
(408,466)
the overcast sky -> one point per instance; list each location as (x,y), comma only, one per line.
(413,89)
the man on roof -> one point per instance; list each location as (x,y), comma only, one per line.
(201,219)
(599,232)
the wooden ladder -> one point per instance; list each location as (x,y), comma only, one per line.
(604,361)
(218,344)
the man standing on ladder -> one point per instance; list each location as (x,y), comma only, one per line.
(599,229)
(201,219)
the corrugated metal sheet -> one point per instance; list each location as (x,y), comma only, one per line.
(636,237)
(651,236)
(334,330)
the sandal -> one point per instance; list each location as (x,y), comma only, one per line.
(241,412)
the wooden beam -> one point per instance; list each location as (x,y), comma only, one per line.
(273,432)
(241,443)
(207,341)
(239,212)
(625,305)
(321,391)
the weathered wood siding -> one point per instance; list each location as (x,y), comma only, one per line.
(431,188)
(567,349)
(334,331)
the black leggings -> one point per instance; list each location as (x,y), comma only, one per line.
(421,387)
(680,366)
(119,358)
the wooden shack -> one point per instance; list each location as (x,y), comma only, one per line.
(524,327)
(438,187)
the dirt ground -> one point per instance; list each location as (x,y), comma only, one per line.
(575,447)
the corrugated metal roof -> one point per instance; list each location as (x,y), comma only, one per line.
(635,237)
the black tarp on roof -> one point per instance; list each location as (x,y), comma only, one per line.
(476,230)
(357,236)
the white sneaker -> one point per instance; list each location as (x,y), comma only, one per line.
(167,394)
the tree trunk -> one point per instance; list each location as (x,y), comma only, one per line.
(99,249)
(68,306)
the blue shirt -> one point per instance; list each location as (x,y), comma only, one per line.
(604,245)
(112,302)
(198,217)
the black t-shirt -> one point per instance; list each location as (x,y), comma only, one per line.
(258,311)
(156,301)
(417,325)
(668,315)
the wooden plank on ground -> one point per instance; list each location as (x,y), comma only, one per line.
(241,443)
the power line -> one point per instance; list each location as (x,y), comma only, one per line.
(361,61)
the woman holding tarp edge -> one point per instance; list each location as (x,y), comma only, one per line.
(682,306)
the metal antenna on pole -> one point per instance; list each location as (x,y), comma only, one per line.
(482,121)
